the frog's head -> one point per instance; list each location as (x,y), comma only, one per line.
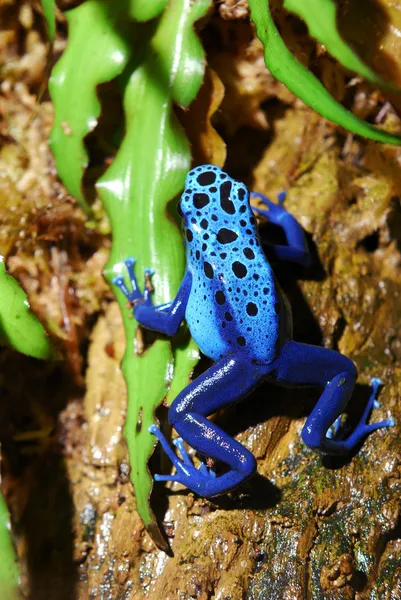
(211,196)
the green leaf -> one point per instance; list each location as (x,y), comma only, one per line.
(19,327)
(321,19)
(146,175)
(145,10)
(49,11)
(186,356)
(9,575)
(284,66)
(98,50)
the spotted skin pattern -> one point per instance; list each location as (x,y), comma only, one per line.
(231,279)
(240,318)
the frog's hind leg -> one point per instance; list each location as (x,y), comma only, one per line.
(302,364)
(228,380)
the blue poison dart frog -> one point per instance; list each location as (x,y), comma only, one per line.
(240,318)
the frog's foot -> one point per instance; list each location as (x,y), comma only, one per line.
(135,295)
(274,209)
(187,474)
(373,403)
(338,431)
(203,468)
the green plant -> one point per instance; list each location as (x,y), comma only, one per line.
(320,16)
(99,37)
(9,574)
(160,63)
(19,329)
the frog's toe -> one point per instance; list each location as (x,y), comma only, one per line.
(203,468)
(336,431)
(373,402)
(130,264)
(281,196)
(375,383)
(182,466)
(275,209)
(265,200)
(187,474)
(363,426)
(197,480)
(119,281)
(179,443)
(339,430)
(175,478)
(147,288)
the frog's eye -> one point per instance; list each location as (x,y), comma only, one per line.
(206,178)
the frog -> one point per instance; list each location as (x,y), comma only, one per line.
(241,319)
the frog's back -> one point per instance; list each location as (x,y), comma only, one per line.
(234,304)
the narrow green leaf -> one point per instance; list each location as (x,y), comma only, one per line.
(98,50)
(148,172)
(9,575)
(284,66)
(321,19)
(186,356)
(19,327)
(49,11)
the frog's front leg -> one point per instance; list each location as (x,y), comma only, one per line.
(297,250)
(304,364)
(229,379)
(165,318)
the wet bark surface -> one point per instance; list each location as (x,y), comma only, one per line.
(304,526)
